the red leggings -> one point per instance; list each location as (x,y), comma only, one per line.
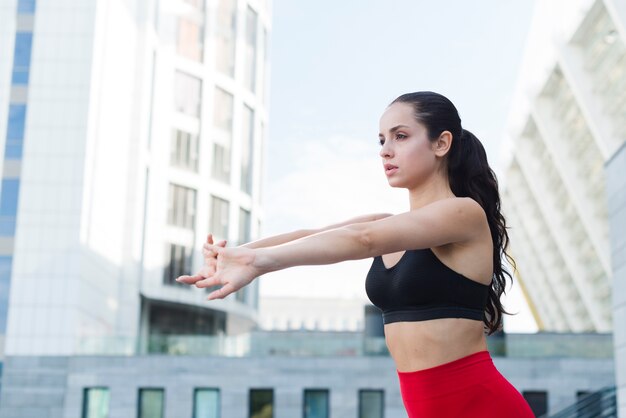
(470,387)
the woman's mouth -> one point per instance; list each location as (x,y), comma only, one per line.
(390,169)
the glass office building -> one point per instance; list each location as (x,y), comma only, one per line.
(131,129)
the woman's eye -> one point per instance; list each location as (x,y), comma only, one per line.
(381,141)
(400,136)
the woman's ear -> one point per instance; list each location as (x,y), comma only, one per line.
(443,144)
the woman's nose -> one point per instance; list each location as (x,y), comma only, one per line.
(385,150)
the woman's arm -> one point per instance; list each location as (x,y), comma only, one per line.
(301,233)
(441,222)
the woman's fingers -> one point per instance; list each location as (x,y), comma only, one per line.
(189,279)
(222,292)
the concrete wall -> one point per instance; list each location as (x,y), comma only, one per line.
(52,387)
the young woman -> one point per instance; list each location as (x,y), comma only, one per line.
(437,271)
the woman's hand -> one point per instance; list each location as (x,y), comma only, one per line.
(208,269)
(232,268)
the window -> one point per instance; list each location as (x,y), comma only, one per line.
(247,142)
(371,403)
(8,206)
(95,403)
(6,263)
(26,6)
(244,226)
(178,263)
(225,35)
(21,57)
(188,94)
(261,403)
(191,38)
(316,403)
(223,133)
(219,218)
(206,403)
(244,237)
(184,150)
(15,132)
(151,403)
(251,50)
(181,206)
(538,401)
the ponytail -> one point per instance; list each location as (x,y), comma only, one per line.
(470,176)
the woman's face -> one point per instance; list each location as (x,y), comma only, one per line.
(405,146)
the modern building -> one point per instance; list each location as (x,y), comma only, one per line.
(564,191)
(313,314)
(285,374)
(131,128)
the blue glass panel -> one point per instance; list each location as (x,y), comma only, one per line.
(8,199)
(13,149)
(19,77)
(5,280)
(17,119)
(23,45)
(7,226)
(21,57)
(26,6)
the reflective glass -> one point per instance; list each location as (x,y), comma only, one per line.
(316,403)
(96,403)
(151,403)
(206,403)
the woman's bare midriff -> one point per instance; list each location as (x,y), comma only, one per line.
(424,344)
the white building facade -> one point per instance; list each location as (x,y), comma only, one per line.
(131,129)
(564,180)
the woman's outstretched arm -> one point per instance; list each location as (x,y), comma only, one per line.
(441,222)
(301,233)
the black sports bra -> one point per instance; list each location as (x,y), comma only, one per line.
(420,287)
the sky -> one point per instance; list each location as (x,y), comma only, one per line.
(334,67)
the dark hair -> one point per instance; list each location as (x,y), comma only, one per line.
(469,175)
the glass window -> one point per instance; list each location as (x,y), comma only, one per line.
(21,57)
(15,132)
(206,403)
(245,220)
(316,403)
(244,226)
(371,403)
(223,111)
(6,264)
(219,218)
(26,6)
(223,133)
(538,401)
(8,206)
(184,150)
(247,142)
(188,94)
(190,38)
(225,35)
(17,120)
(261,403)
(251,50)
(181,207)
(178,262)
(95,403)
(151,403)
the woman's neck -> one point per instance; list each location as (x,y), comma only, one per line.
(436,188)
